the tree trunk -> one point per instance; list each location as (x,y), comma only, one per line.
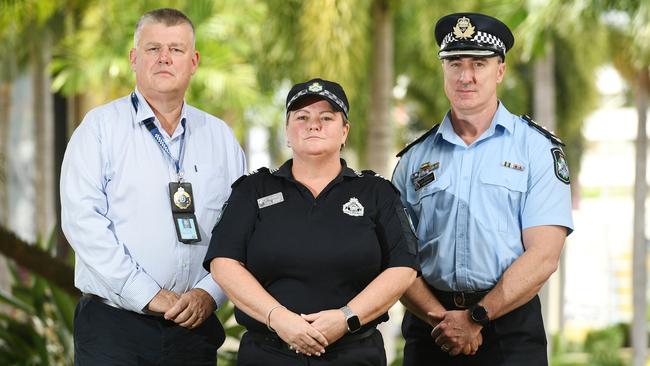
(42,107)
(5,108)
(38,261)
(61,115)
(639,252)
(544,111)
(380,147)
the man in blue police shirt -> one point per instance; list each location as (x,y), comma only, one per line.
(142,184)
(490,199)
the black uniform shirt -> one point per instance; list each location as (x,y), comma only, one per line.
(313,254)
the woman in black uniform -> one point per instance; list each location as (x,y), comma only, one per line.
(314,253)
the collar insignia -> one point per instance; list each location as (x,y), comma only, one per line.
(315,87)
(464,29)
(353,207)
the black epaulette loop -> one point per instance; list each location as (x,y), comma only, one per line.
(541,129)
(418,140)
(372,173)
(256,171)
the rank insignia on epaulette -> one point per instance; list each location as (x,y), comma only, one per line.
(424,175)
(549,134)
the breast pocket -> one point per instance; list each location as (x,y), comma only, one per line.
(501,198)
(431,203)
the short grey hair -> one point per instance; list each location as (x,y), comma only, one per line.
(167,16)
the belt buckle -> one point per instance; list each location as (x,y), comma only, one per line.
(459,299)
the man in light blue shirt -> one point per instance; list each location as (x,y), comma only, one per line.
(490,199)
(143,182)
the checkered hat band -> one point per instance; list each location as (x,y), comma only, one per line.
(326,93)
(479,37)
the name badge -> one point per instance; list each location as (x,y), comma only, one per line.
(182,203)
(270,200)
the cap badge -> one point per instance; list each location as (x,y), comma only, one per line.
(464,28)
(315,87)
(353,207)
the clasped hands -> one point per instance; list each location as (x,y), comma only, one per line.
(455,332)
(309,334)
(188,310)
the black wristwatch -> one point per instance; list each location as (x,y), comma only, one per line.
(478,313)
(351,319)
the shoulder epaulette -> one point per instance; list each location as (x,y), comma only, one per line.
(541,129)
(372,173)
(418,140)
(241,179)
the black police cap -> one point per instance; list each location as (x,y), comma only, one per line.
(472,34)
(328,90)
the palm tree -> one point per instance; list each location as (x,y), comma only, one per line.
(632,60)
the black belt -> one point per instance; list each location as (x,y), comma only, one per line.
(114,305)
(274,340)
(100,299)
(459,300)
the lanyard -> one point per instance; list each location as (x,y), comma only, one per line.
(155,132)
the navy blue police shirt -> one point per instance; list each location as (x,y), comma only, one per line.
(313,253)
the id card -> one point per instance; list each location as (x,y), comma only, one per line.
(187,228)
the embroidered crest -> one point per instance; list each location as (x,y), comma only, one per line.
(315,87)
(270,200)
(560,165)
(353,207)
(464,28)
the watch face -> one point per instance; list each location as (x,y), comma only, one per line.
(353,323)
(479,315)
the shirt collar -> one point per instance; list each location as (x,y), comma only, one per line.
(144,111)
(285,171)
(502,117)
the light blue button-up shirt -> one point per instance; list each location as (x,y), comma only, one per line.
(116,211)
(469,219)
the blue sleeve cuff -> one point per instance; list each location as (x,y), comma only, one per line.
(208,285)
(139,292)
(546,221)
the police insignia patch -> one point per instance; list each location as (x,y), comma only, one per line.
(353,207)
(315,87)
(560,165)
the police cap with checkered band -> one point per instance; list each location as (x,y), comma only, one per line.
(328,90)
(472,34)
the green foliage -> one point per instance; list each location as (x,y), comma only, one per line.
(234,332)
(603,346)
(36,324)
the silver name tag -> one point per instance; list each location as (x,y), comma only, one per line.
(270,200)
